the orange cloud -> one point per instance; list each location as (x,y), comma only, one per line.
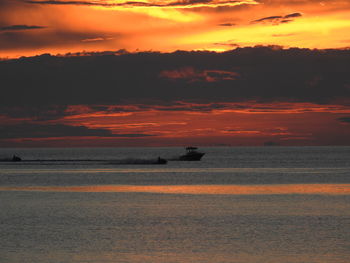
(74,26)
(192,75)
(203,124)
(149,3)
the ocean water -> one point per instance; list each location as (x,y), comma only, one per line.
(239,205)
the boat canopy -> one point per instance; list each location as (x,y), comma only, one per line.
(191,148)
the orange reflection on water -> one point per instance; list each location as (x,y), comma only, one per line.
(319,189)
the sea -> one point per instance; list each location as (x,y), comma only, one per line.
(237,205)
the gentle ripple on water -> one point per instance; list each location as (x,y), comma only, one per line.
(173,224)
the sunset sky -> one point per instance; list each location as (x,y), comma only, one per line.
(174,73)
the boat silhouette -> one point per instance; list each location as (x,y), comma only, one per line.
(14,158)
(191,154)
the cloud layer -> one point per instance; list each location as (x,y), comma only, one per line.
(278,19)
(32,27)
(158,4)
(260,73)
(35,130)
(19,27)
(258,93)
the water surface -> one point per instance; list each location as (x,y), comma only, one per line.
(246,205)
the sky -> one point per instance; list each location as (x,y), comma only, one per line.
(31,27)
(174,73)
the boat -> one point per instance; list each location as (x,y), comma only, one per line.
(191,154)
(14,158)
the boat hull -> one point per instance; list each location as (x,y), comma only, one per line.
(194,156)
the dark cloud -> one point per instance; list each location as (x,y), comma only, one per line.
(229,43)
(344,119)
(264,73)
(12,40)
(33,130)
(177,106)
(297,2)
(269,18)
(285,21)
(65,3)
(278,19)
(5,3)
(293,15)
(35,113)
(20,27)
(227,24)
(57,2)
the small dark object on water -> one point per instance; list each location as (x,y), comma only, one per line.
(16,158)
(191,155)
(161,161)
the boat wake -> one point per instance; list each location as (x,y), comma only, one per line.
(86,161)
